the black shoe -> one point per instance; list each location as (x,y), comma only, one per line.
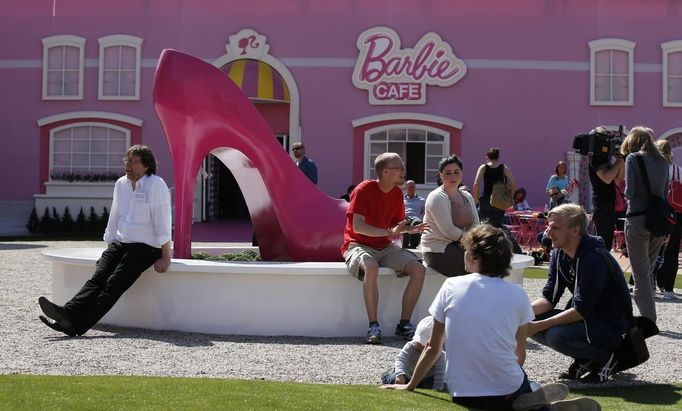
(55,312)
(55,326)
(601,374)
(576,370)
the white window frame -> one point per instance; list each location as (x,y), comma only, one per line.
(64,40)
(612,44)
(669,47)
(115,40)
(55,130)
(368,170)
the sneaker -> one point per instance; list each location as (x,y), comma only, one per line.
(576,370)
(576,404)
(545,395)
(600,375)
(374,334)
(406,331)
(669,295)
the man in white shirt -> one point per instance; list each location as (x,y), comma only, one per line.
(138,233)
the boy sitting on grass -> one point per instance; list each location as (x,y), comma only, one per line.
(408,357)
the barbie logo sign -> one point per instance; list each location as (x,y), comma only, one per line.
(393,75)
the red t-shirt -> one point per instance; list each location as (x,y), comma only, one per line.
(383,210)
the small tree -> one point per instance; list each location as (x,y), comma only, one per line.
(67,221)
(45,222)
(55,221)
(81,222)
(33,224)
(104,219)
(93,221)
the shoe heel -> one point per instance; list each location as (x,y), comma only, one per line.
(202,111)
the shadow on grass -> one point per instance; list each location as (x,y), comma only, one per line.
(664,394)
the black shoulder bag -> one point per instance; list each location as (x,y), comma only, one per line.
(633,351)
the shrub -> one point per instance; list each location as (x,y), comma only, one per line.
(81,223)
(246,255)
(33,224)
(67,221)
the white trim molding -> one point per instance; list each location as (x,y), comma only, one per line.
(668,48)
(249,44)
(99,115)
(407,117)
(670,132)
(120,40)
(64,40)
(626,46)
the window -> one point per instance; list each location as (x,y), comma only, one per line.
(611,68)
(421,148)
(88,149)
(119,67)
(63,57)
(672,73)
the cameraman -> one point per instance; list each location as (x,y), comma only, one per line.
(604,175)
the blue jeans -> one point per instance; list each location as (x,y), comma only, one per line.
(486,212)
(571,340)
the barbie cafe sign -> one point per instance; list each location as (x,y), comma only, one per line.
(393,75)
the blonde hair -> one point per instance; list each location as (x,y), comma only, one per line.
(574,215)
(666,149)
(641,138)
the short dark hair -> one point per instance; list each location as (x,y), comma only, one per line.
(451,159)
(493,153)
(146,156)
(491,247)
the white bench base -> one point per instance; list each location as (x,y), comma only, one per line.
(249,298)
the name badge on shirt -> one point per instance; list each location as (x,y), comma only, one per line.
(141,208)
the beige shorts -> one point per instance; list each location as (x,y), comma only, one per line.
(392,257)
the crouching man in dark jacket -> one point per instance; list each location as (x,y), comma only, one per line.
(591,328)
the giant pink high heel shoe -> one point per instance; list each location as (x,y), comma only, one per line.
(202,111)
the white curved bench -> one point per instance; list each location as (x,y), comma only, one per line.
(249,298)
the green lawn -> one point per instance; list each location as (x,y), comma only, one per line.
(19,392)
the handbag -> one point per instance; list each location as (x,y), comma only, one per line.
(633,350)
(501,196)
(675,191)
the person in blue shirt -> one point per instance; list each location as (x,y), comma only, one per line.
(304,163)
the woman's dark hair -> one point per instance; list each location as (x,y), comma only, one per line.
(522,191)
(451,159)
(491,247)
(556,169)
(146,156)
(493,153)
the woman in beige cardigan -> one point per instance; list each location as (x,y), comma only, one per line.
(449,212)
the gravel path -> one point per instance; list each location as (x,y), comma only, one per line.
(28,347)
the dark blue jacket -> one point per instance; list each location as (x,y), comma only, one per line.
(601,298)
(309,169)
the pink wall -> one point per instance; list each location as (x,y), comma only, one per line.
(531,114)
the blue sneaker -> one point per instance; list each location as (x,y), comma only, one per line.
(406,331)
(374,334)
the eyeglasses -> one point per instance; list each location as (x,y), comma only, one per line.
(131,161)
(555,194)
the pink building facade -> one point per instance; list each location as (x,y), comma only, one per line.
(349,79)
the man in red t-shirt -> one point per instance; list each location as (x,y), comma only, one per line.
(375,215)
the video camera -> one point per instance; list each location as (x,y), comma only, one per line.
(601,145)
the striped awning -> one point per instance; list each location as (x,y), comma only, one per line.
(258,80)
